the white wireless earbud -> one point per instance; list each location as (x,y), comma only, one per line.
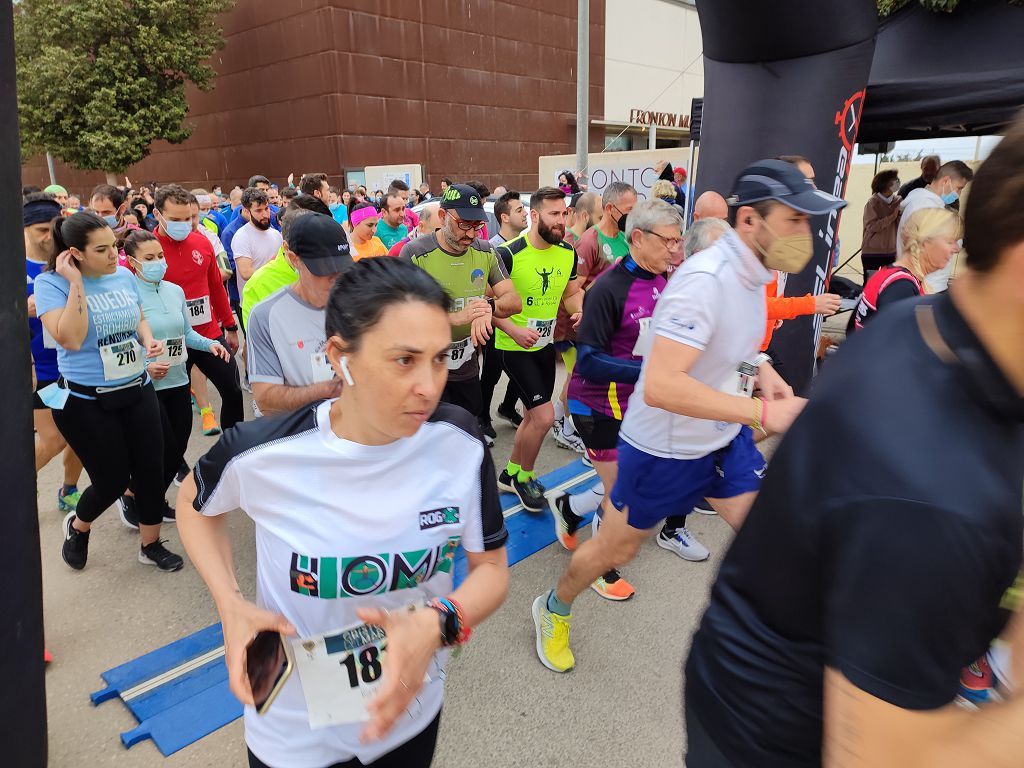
(345,373)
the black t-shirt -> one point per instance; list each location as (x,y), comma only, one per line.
(883,542)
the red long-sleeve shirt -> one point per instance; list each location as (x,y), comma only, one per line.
(192,265)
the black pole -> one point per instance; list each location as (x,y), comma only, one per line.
(23,704)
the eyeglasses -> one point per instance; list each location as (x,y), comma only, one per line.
(671,243)
(467,226)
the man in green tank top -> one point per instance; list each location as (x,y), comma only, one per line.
(542,267)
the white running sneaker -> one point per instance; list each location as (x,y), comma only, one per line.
(684,544)
(569,442)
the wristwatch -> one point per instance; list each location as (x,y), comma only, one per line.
(490,302)
(230,328)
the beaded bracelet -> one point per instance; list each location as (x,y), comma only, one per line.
(454,630)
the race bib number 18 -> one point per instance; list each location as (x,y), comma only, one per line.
(340,672)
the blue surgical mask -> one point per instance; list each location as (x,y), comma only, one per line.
(153,271)
(111,221)
(178,230)
(950,197)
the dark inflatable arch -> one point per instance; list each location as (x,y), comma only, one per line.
(786,77)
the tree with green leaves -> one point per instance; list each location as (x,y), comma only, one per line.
(889,7)
(100,80)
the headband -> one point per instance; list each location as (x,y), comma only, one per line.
(358,217)
(39,212)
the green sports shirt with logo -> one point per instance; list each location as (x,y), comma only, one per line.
(540,278)
(463,278)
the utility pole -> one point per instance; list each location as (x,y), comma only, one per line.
(50,168)
(582,85)
(23,705)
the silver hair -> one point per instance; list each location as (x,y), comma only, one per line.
(615,191)
(702,234)
(648,214)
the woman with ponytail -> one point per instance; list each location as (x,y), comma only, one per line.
(930,238)
(103,403)
(163,305)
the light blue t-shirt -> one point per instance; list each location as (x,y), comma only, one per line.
(340,213)
(114,314)
(163,305)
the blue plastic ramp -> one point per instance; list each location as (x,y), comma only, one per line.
(179,693)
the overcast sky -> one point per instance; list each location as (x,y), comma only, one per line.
(947,149)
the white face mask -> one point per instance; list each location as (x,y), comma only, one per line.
(888,199)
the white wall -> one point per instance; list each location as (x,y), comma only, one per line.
(647,44)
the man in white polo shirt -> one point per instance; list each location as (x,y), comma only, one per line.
(287,366)
(688,432)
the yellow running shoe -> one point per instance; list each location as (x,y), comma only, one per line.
(612,586)
(552,637)
(210,425)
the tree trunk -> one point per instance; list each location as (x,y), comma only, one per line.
(111,178)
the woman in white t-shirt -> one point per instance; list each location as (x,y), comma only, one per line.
(360,504)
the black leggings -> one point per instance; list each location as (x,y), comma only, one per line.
(417,752)
(176,421)
(489,377)
(224,376)
(116,446)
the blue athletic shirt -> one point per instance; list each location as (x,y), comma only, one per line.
(114,314)
(44,360)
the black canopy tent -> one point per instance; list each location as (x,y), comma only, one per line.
(941,75)
(812,77)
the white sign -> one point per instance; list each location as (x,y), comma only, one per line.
(636,168)
(381,176)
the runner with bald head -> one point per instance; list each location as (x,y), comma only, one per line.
(710,205)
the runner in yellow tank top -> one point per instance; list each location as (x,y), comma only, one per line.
(543,269)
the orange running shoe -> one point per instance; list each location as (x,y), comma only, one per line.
(210,425)
(612,586)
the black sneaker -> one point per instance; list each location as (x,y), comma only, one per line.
(75,549)
(170,516)
(530,493)
(183,471)
(511,416)
(505,482)
(157,554)
(489,434)
(567,522)
(129,511)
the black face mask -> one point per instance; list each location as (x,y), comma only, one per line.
(622,222)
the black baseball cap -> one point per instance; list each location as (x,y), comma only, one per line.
(321,243)
(783,182)
(466,200)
